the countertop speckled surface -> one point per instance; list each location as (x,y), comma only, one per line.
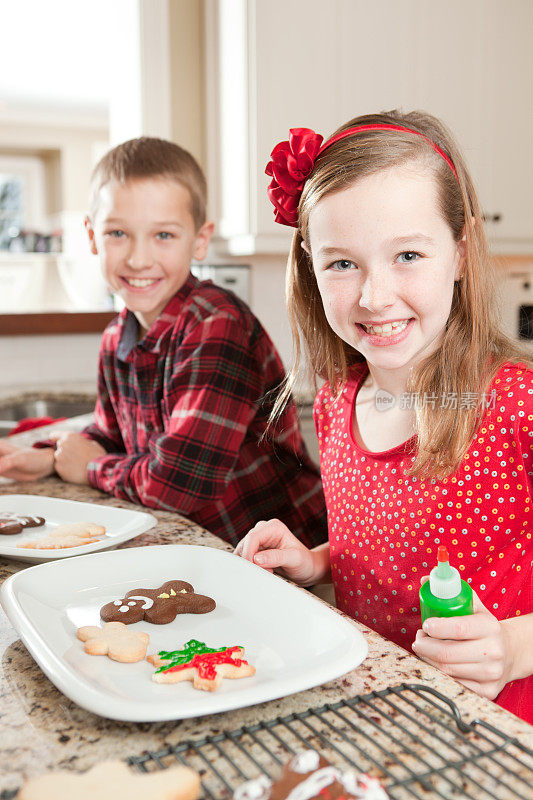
(42,729)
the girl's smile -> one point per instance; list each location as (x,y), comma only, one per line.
(386,333)
(385,262)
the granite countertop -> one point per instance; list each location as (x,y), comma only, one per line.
(304,394)
(15,392)
(43,729)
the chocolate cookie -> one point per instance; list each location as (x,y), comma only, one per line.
(11,522)
(308,776)
(158,606)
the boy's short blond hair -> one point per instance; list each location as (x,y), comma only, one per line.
(150,157)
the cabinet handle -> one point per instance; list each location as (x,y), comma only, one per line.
(492,217)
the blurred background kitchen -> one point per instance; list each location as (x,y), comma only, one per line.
(226,79)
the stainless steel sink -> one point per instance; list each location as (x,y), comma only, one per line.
(12,412)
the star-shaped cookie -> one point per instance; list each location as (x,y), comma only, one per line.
(204,666)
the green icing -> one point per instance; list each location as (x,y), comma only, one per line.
(193,648)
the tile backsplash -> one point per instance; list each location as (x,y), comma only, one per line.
(69,360)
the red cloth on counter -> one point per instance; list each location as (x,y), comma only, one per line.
(29,423)
(384,528)
(181,414)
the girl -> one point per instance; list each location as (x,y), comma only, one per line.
(426,416)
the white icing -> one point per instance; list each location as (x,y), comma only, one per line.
(258,789)
(307,761)
(117,602)
(123,609)
(314,783)
(350,781)
(148,602)
(132,603)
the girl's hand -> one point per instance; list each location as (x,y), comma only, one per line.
(272,546)
(73,453)
(25,464)
(475,650)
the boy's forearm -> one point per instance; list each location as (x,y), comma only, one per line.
(519,634)
(322,563)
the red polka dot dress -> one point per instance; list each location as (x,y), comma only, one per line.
(384,528)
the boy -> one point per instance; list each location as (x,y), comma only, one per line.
(183,369)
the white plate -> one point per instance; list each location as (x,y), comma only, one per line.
(292,639)
(120,525)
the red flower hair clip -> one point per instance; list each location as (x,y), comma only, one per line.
(293,161)
(291,164)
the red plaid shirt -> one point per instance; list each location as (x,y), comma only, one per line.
(181,412)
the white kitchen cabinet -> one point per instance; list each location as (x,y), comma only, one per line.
(277,64)
(508,118)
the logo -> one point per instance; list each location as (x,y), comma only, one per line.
(384,400)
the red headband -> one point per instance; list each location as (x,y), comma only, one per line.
(293,161)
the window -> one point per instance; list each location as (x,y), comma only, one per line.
(11,208)
(22,200)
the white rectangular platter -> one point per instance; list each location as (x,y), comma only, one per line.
(120,525)
(293,640)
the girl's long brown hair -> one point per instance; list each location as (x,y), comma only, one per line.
(473,346)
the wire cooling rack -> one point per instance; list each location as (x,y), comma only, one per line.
(410,736)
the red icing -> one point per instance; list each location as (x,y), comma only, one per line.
(205,663)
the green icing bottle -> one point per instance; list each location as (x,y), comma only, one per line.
(445,594)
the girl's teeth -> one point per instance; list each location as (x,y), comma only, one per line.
(387,329)
(140,283)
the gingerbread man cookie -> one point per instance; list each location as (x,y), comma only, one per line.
(113,780)
(159,606)
(12,523)
(114,640)
(204,666)
(308,776)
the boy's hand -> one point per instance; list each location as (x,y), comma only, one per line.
(272,546)
(25,464)
(73,453)
(475,650)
